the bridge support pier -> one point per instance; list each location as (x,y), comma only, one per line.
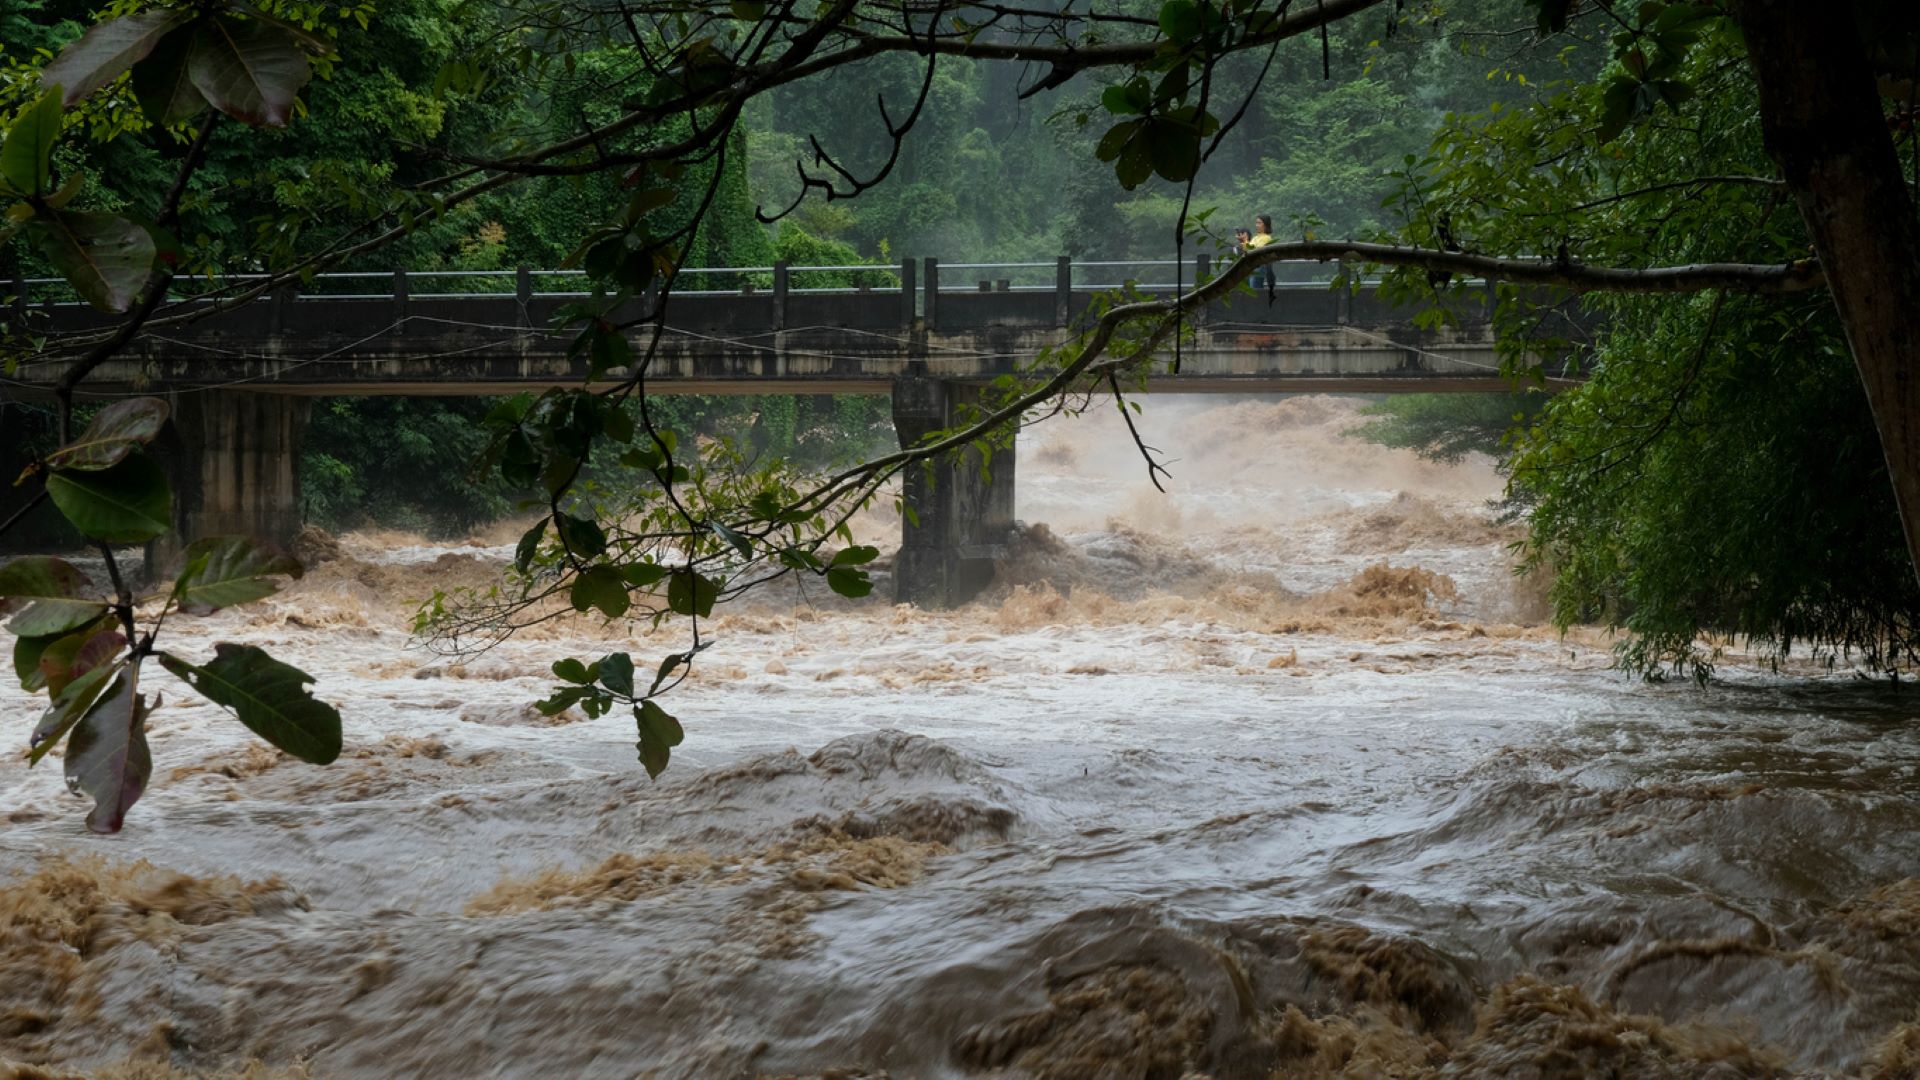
(962,512)
(234,458)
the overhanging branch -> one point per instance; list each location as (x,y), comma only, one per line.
(1803,275)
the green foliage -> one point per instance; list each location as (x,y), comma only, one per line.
(238,60)
(1448,427)
(26,157)
(1718,475)
(984,178)
(1741,491)
(363,459)
(799,248)
(597,687)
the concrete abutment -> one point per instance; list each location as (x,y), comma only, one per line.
(961,507)
(234,460)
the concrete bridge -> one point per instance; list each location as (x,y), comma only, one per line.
(931,335)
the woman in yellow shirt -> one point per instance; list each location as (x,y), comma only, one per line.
(1262,236)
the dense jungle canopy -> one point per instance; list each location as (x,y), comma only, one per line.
(1728,185)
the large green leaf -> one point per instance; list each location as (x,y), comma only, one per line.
(849,582)
(659,734)
(690,592)
(268,696)
(108,49)
(616,673)
(61,598)
(249,70)
(26,158)
(529,546)
(127,504)
(583,537)
(857,555)
(105,257)
(223,571)
(114,433)
(601,586)
(26,660)
(163,85)
(1135,164)
(1180,20)
(1174,149)
(107,757)
(68,707)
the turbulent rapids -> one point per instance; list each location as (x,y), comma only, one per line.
(1277,776)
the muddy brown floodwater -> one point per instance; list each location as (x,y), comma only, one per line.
(1273,777)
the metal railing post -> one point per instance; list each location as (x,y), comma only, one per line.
(1343,303)
(780,275)
(1062,290)
(277,302)
(18,302)
(522,295)
(932,289)
(1202,273)
(908,298)
(399,301)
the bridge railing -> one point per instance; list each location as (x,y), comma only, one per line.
(923,294)
(1149,275)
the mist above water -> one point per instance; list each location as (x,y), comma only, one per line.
(1274,775)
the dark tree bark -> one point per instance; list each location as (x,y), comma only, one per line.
(1822,118)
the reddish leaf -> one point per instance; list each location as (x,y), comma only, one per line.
(105,257)
(76,654)
(107,757)
(112,435)
(249,70)
(108,49)
(162,84)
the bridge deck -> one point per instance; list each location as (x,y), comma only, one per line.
(1307,338)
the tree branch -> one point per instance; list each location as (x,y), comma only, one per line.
(1802,275)
(156,290)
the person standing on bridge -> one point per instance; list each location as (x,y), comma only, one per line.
(1262,236)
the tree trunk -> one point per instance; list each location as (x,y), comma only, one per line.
(1824,126)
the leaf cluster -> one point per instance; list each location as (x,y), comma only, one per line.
(84,648)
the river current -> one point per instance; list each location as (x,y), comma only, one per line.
(1277,775)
